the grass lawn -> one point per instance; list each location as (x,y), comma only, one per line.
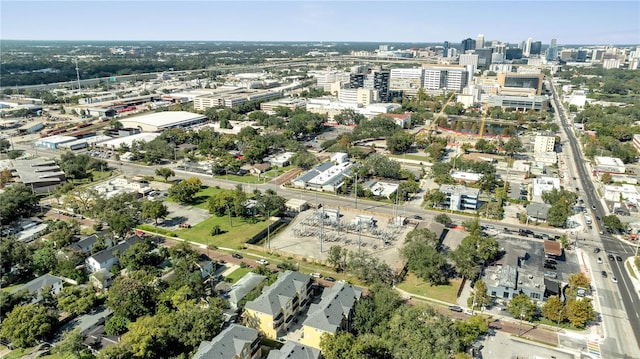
(265,177)
(238,273)
(445,293)
(232,237)
(17,353)
(631,271)
(11,287)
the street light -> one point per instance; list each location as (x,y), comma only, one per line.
(520,327)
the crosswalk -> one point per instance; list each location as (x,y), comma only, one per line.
(593,348)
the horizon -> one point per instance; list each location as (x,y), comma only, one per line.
(570,22)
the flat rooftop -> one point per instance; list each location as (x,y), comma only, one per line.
(165,118)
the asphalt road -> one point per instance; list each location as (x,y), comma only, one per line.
(630,299)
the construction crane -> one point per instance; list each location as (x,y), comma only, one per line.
(434,123)
(484,117)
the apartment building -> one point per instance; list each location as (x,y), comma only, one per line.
(358,96)
(234,342)
(273,311)
(332,314)
(460,197)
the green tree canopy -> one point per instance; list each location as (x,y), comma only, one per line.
(27,324)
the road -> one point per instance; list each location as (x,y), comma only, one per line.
(630,300)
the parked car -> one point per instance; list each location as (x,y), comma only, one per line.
(237,256)
(550,261)
(596,250)
(604,274)
(262,261)
(468,311)
(315,275)
(550,266)
(329,279)
(455,308)
(599,260)
(611,257)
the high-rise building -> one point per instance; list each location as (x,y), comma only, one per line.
(552,51)
(513,54)
(406,80)
(484,56)
(453,78)
(468,59)
(467,44)
(445,49)
(527,47)
(356,81)
(536,48)
(480,41)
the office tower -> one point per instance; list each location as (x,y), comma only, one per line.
(406,80)
(484,56)
(467,44)
(536,48)
(513,54)
(480,41)
(445,49)
(453,78)
(469,59)
(356,80)
(552,51)
(527,47)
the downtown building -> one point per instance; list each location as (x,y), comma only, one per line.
(449,78)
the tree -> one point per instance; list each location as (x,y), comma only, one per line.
(400,142)
(120,223)
(303,159)
(116,325)
(27,324)
(15,202)
(471,329)
(421,250)
(513,146)
(434,197)
(5,177)
(154,210)
(165,173)
(71,345)
(553,309)
(184,191)
(580,311)
(613,223)
(140,256)
(521,306)
(606,178)
(444,219)
(480,295)
(76,300)
(579,280)
(191,324)
(338,257)
(44,260)
(130,298)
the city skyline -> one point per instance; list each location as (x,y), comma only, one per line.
(586,22)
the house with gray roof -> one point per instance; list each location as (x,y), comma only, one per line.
(332,314)
(86,244)
(274,310)
(234,342)
(109,257)
(242,287)
(506,281)
(293,350)
(37,285)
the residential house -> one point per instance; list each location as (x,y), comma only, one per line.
(234,342)
(109,257)
(538,211)
(36,286)
(243,286)
(85,245)
(274,310)
(332,314)
(293,350)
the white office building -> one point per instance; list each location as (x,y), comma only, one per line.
(544,184)
(407,80)
(460,197)
(544,144)
(452,78)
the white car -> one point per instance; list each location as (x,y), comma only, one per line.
(599,260)
(468,311)
(263,262)
(315,275)
(614,279)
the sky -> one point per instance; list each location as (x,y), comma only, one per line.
(570,22)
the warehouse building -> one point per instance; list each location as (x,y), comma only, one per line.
(128,141)
(160,121)
(53,142)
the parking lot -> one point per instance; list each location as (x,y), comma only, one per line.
(351,230)
(179,214)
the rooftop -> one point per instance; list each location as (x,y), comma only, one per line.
(277,295)
(293,350)
(461,190)
(35,285)
(228,344)
(334,307)
(165,118)
(245,285)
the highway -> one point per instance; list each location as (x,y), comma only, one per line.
(630,299)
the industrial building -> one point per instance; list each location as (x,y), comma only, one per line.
(160,121)
(128,141)
(31,127)
(42,176)
(605,164)
(234,97)
(53,142)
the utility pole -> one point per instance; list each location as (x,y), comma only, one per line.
(321,228)
(355,194)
